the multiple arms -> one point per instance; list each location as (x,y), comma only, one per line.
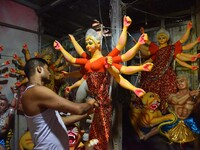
(131,53)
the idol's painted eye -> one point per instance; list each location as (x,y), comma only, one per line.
(161,38)
(152,95)
(90,43)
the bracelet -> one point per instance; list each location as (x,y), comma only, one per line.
(194,97)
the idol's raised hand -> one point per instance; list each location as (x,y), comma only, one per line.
(127,21)
(57,45)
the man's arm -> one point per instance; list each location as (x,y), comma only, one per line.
(46,98)
(68,120)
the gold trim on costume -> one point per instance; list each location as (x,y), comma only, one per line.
(180,133)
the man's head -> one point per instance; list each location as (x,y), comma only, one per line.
(3,103)
(182,82)
(37,66)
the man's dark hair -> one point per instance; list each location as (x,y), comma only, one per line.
(31,64)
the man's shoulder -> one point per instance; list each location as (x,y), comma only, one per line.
(34,91)
(32,98)
(36,88)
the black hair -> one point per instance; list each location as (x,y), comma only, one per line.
(31,64)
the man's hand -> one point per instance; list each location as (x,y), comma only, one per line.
(92,102)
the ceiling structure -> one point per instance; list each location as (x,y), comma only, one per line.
(60,17)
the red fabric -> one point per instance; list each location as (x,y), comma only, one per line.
(114,52)
(178,48)
(95,66)
(98,65)
(118,66)
(153,48)
(98,84)
(81,61)
(99,62)
(82,71)
(117,59)
(85,55)
(84,77)
(161,79)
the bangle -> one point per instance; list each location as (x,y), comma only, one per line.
(194,97)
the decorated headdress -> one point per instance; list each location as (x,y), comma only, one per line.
(91,33)
(162,31)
